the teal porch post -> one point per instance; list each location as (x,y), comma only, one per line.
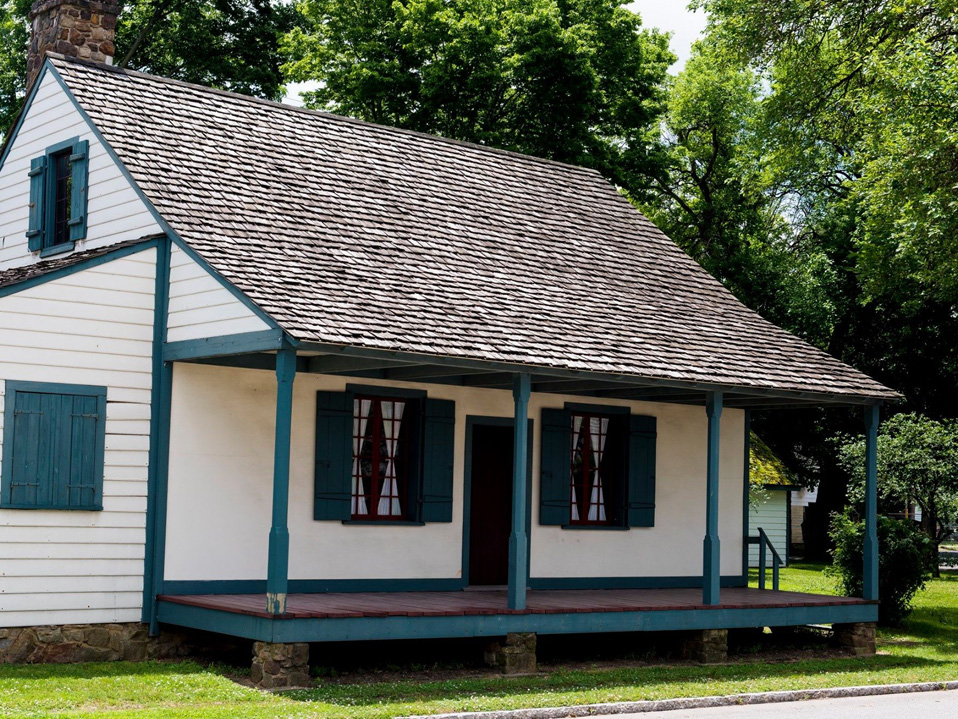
(870,570)
(518,541)
(277,576)
(711,571)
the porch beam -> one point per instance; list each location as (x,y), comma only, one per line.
(224,346)
(711,578)
(870,570)
(424,373)
(491,380)
(277,575)
(518,541)
(326,364)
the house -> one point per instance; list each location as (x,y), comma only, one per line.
(772,488)
(295,378)
(800,500)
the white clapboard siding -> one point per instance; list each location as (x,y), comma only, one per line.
(115,212)
(200,306)
(772,516)
(73,567)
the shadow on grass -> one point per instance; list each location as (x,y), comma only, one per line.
(568,681)
(97,670)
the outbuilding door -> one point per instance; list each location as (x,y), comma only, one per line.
(490,506)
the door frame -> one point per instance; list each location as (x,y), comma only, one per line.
(479,420)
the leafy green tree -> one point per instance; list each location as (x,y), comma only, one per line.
(572,80)
(228,44)
(917,463)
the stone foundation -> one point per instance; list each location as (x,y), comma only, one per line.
(280,666)
(72,643)
(858,638)
(514,655)
(708,646)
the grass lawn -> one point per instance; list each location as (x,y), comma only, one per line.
(925,649)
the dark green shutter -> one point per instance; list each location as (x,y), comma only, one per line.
(38,186)
(28,419)
(334,436)
(79,163)
(79,427)
(555,467)
(641,471)
(439,436)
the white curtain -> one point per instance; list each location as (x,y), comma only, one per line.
(361,409)
(576,431)
(598,426)
(392,420)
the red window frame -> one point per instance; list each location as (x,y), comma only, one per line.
(581,472)
(369,466)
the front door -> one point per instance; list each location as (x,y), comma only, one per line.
(490,510)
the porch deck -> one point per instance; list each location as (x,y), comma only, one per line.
(398,615)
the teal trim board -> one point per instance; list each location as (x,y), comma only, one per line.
(712,554)
(78,266)
(224,345)
(519,537)
(160,306)
(277,578)
(471,422)
(870,576)
(629,582)
(311,586)
(289,629)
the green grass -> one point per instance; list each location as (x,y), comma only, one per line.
(925,649)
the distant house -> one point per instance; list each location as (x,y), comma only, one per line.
(772,488)
(294,378)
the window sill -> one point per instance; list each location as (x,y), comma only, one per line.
(52,508)
(383,523)
(595,528)
(57,249)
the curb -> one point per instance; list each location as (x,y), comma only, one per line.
(660,705)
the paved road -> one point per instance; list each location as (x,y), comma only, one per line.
(921,705)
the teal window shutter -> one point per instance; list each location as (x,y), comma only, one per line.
(642,436)
(555,468)
(38,187)
(53,446)
(439,428)
(334,432)
(79,163)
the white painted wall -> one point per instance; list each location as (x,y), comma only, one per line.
(221,479)
(772,516)
(94,327)
(115,212)
(200,306)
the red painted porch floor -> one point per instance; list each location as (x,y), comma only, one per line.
(451,604)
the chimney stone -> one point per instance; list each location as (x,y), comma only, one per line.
(75,28)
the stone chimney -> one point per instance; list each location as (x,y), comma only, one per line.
(75,28)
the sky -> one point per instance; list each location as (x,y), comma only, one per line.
(667,15)
(672,16)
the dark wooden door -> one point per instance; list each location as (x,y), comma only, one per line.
(490,512)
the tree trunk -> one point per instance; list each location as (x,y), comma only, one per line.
(929,521)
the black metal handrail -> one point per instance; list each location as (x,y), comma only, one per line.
(765,544)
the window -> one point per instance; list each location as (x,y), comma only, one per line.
(58,192)
(597,468)
(380,477)
(383,455)
(53,441)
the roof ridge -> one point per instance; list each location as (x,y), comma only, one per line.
(321,113)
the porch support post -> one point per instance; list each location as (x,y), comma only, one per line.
(277,577)
(870,570)
(518,541)
(711,574)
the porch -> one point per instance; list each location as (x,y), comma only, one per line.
(348,616)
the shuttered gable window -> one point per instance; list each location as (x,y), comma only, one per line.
(53,444)
(58,197)
(597,469)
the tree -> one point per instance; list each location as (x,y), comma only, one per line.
(917,462)
(571,80)
(227,44)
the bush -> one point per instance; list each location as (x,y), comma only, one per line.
(904,562)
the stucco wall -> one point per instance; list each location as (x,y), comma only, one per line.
(221,474)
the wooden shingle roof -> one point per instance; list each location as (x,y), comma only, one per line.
(349,233)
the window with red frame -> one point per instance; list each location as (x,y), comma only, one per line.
(380,475)
(594,482)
